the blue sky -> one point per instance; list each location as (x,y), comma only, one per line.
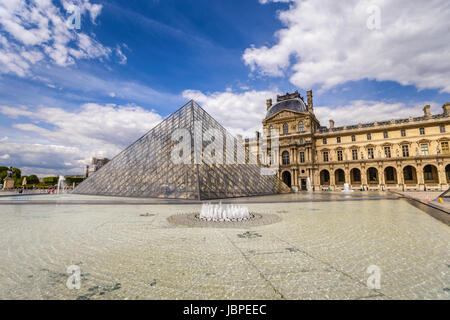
(67,95)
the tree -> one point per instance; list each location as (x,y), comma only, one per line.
(17,173)
(51,180)
(33,179)
(2,175)
(71,180)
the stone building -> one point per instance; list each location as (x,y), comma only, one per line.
(399,154)
(96,164)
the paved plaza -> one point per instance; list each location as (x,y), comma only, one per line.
(319,250)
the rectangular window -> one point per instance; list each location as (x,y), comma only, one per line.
(339,155)
(405,151)
(355,154)
(370,153)
(369,136)
(324,141)
(445,148)
(385,134)
(403,133)
(338,139)
(353,138)
(325,156)
(302,157)
(387,152)
(301,126)
(422,131)
(424,149)
(442,128)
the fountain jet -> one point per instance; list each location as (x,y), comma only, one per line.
(219,213)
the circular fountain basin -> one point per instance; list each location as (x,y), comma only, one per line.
(194,220)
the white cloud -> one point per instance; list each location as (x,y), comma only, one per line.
(122,57)
(327,43)
(66,140)
(5,156)
(15,112)
(43,158)
(363,111)
(33,31)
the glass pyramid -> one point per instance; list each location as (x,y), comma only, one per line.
(146,169)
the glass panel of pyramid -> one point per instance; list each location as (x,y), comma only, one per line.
(146,168)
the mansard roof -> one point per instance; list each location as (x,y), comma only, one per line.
(296,104)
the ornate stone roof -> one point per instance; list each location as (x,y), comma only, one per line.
(294,104)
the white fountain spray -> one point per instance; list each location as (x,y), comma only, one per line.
(61,184)
(308,185)
(219,213)
(347,188)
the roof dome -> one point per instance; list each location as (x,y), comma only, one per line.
(296,104)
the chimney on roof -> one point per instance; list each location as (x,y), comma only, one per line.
(331,124)
(310,101)
(427,110)
(446,108)
(268,103)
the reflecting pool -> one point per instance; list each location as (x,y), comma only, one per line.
(319,250)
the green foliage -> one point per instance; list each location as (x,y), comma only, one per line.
(33,179)
(18,182)
(71,180)
(17,173)
(4,171)
(51,180)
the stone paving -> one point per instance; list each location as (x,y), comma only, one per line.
(319,250)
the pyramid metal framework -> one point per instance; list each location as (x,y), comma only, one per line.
(145,169)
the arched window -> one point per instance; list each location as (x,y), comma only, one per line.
(270,131)
(301,126)
(285,158)
(285,128)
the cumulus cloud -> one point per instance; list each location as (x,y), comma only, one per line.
(65,140)
(364,111)
(33,31)
(328,42)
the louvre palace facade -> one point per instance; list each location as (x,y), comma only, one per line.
(398,154)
